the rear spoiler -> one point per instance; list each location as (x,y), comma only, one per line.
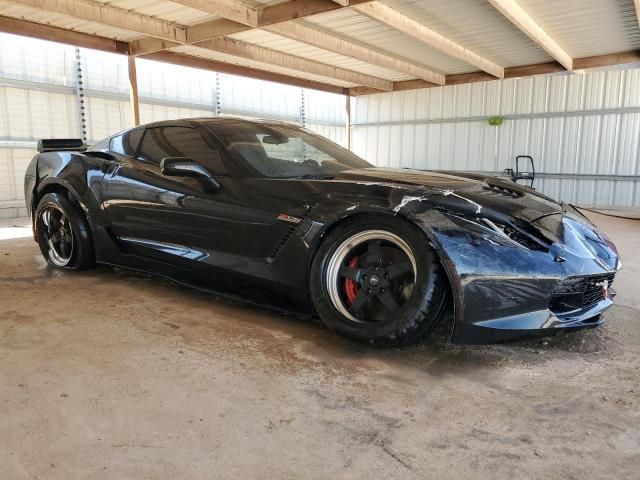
(61,144)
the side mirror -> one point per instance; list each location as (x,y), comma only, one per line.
(520,174)
(185,167)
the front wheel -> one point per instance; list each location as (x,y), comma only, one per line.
(376,279)
(63,233)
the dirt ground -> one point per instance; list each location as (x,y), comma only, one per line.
(114,375)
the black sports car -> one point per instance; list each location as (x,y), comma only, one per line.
(268,208)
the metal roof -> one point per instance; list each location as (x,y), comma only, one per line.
(477,25)
(579,28)
(588,27)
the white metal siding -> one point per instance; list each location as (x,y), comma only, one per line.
(31,112)
(240,95)
(325,114)
(573,125)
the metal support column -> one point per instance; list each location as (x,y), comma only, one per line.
(80,97)
(303,119)
(218,95)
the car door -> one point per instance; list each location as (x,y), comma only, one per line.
(277,205)
(181,220)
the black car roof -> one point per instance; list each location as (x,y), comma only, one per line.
(192,122)
(103,144)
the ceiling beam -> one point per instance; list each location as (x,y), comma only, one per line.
(55,34)
(598,61)
(213,65)
(266,15)
(219,27)
(396,20)
(231,9)
(527,25)
(273,57)
(106,15)
(233,22)
(349,48)
(296,9)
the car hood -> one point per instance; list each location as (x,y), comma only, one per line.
(466,193)
(405,176)
(497,199)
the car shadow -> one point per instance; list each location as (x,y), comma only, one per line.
(211,323)
(226,323)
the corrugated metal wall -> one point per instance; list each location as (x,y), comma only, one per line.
(583,131)
(39,99)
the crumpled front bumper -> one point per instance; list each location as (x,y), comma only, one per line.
(503,292)
(539,322)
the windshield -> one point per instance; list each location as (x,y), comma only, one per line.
(280,151)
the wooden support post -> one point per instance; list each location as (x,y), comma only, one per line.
(133,91)
(347,119)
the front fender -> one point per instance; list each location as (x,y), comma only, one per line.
(501,290)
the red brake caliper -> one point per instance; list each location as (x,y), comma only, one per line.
(350,288)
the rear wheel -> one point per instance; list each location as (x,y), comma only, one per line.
(63,234)
(376,279)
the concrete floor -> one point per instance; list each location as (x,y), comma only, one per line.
(109,374)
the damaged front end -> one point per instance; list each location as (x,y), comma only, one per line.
(518,262)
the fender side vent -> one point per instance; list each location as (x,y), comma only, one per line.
(501,190)
(282,241)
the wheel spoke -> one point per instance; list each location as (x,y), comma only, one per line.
(373,255)
(399,270)
(52,246)
(354,274)
(374,247)
(54,219)
(388,301)
(359,301)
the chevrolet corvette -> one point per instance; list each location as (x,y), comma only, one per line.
(271,211)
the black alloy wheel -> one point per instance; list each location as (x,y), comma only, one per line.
(376,279)
(63,233)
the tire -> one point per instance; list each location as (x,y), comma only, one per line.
(58,221)
(382,246)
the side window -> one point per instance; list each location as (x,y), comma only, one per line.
(163,142)
(127,142)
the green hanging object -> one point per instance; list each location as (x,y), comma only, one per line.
(496,121)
